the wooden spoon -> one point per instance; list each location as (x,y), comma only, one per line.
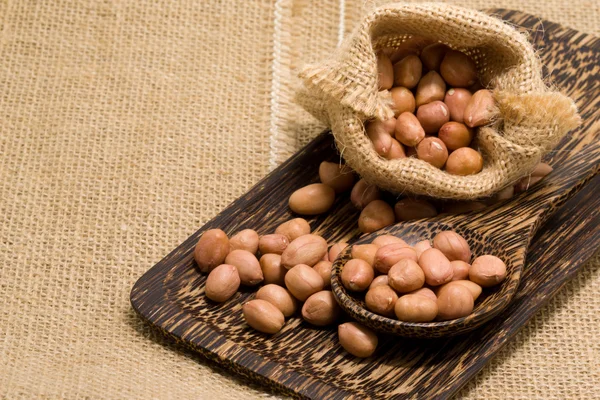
(504,230)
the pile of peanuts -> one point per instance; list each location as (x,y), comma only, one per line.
(421,283)
(376,213)
(294,267)
(431,122)
(294,270)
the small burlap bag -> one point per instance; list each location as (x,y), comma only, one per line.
(343,92)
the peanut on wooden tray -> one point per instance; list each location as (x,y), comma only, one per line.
(291,269)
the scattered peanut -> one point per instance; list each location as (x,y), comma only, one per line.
(321,309)
(293,228)
(272,270)
(312,199)
(376,215)
(263,316)
(211,249)
(357,339)
(247,266)
(279,297)
(306,249)
(302,281)
(274,243)
(244,240)
(339,177)
(222,283)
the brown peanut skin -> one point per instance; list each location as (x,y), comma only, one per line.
(379,281)
(433,151)
(312,199)
(457,99)
(407,72)
(272,270)
(302,281)
(421,246)
(279,297)
(431,88)
(384,240)
(321,309)
(432,56)
(460,270)
(481,109)
(211,249)
(406,276)
(363,193)
(403,100)
(487,271)
(458,69)
(455,135)
(436,266)
(244,240)
(388,255)
(307,249)
(410,209)
(454,301)
(385,72)
(336,249)
(425,292)
(381,300)
(357,339)
(247,266)
(357,275)
(474,288)
(294,228)
(380,133)
(538,173)
(273,243)
(263,316)
(408,129)
(324,269)
(365,252)
(222,283)
(432,116)
(339,177)
(376,215)
(464,161)
(416,308)
(453,246)
(396,151)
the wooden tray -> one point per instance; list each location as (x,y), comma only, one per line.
(307,362)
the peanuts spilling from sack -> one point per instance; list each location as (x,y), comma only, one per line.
(438,104)
(380,209)
(419,283)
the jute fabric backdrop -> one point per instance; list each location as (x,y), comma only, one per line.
(124,127)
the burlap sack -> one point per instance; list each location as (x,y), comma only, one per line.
(343,92)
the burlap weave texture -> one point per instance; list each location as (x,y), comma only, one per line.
(127,125)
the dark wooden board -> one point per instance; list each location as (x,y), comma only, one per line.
(307,362)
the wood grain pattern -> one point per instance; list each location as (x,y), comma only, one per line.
(304,361)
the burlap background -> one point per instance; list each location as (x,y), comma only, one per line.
(124,127)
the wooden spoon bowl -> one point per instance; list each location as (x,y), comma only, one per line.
(503,230)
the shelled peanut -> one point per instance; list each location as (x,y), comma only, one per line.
(377,213)
(437,105)
(431,281)
(295,271)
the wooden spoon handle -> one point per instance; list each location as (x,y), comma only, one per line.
(542,200)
